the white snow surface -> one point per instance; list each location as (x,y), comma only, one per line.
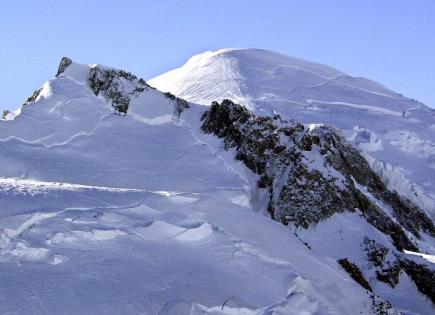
(144,214)
(397,134)
(430,258)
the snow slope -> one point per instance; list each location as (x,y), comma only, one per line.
(102,213)
(144,214)
(397,134)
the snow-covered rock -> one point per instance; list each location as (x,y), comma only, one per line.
(395,132)
(312,173)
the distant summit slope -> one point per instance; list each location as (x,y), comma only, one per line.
(251,74)
(396,134)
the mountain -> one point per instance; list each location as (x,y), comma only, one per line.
(396,134)
(118,198)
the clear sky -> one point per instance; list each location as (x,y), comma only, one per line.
(389,41)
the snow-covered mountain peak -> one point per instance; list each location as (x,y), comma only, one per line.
(142,203)
(207,56)
(73,70)
(399,133)
(238,73)
(263,59)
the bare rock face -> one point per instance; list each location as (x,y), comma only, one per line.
(422,275)
(384,263)
(33,97)
(119,86)
(181,104)
(388,267)
(111,83)
(312,172)
(355,273)
(65,62)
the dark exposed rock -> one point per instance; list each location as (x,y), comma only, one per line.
(376,256)
(382,307)
(306,143)
(389,275)
(120,86)
(388,271)
(376,252)
(33,98)
(5,113)
(109,83)
(423,277)
(382,222)
(64,63)
(311,173)
(355,273)
(350,162)
(280,165)
(181,104)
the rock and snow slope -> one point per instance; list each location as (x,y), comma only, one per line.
(112,200)
(397,134)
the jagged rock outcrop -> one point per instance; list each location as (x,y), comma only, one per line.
(355,273)
(388,267)
(423,277)
(33,97)
(382,307)
(64,63)
(181,104)
(119,86)
(5,113)
(344,158)
(379,306)
(312,172)
(111,83)
(384,263)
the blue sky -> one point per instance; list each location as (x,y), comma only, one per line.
(389,41)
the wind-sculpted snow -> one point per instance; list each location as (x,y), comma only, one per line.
(400,149)
(155,253)
(143,213)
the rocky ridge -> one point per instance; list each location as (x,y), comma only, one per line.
(311,173)
(118,86)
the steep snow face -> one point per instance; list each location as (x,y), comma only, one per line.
(137,212)
(397,134)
